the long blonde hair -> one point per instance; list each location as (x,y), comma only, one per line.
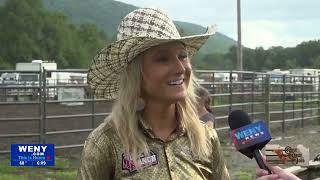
(125,116)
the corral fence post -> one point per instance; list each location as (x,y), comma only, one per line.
(230,91)
(267,99)
(40,90)
(252,94)
(302,101)
(43,105)
(283,129)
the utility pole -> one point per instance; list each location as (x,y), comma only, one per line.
(239,49)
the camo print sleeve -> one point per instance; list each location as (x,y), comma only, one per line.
(219,168)
(97,158)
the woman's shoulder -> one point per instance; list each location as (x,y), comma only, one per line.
(103,134)
(210,132)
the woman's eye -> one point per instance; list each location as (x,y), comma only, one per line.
(162,59)
(183,56)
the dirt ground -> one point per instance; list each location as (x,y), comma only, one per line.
(56,123)
(53,122)
(308,136)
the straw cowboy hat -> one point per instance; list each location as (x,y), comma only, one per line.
(138,31)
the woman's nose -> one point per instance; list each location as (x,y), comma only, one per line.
(178,66)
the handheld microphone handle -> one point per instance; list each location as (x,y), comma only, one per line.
(259,159)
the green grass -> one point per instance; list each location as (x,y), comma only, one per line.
(11,177)
(64,169)
(66,175)
(244,175)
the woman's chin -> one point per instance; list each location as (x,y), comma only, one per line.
(178,97)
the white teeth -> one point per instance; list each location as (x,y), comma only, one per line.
(176,82)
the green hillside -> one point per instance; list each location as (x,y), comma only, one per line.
(29,31)
(71,32)
(107,14)
(219,43)
(46,31)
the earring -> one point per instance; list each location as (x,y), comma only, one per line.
(140,104)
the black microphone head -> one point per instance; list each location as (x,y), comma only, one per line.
(238,118)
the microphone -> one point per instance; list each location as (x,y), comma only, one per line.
(249,138)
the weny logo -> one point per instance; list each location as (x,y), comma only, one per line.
(249,133)
(32,149)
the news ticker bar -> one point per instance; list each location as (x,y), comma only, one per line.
(44,154)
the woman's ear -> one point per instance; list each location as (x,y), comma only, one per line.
(140,104)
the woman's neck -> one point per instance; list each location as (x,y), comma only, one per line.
(161,118)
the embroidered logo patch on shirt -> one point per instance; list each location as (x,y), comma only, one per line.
(143,161)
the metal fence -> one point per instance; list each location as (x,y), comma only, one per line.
(277,99)
(57,106)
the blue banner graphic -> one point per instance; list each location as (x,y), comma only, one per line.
(32,155)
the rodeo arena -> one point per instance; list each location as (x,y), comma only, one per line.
(40,104)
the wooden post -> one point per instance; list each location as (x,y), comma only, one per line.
(239,49)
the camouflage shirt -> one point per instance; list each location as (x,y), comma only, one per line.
(103,157)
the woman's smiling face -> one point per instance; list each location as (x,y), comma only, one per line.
(166,72)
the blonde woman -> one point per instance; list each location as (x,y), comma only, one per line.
(153,131)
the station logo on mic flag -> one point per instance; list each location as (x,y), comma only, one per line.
(250,134)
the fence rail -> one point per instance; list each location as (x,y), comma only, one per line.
(59,103)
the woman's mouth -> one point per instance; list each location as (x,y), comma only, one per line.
(175,82)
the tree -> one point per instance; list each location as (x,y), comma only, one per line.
(231,57)
(316,62)
(29,32)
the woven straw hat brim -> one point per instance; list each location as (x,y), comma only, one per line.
(111,61)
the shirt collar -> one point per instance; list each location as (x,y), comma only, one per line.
(147,129)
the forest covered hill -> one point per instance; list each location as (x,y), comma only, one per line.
(71,32)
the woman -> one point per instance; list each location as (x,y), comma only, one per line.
(203,106)
(153,131)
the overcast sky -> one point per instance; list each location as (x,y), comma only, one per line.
(265,23)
